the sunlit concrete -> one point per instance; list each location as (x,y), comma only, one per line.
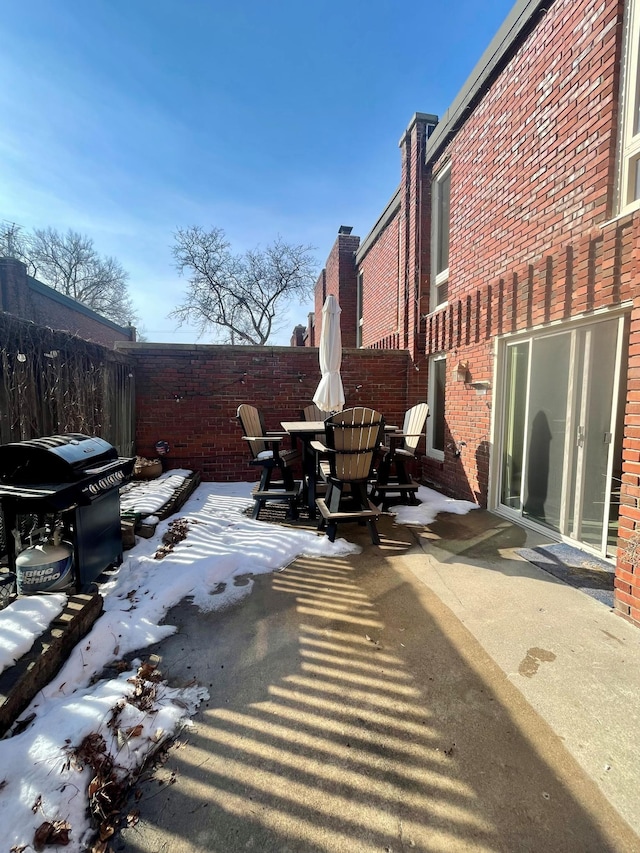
(590,691)
(376,704)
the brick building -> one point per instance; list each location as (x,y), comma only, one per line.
(506,264)
(30,299)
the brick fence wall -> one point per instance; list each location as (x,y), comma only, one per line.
(189,395)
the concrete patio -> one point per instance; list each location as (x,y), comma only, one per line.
(435,693)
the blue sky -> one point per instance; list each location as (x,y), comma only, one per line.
(125,119)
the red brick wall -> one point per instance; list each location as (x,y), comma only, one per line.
(628,568)
(395,266)
(339,278)
(531,179)
(532,240)
(381,304)
(21,296)
(533,165)
(348,288)
(189,396)
(320,294)
(415,250)
(599,270)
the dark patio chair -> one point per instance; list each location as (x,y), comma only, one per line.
(267,454)
(394,483)
(352,437)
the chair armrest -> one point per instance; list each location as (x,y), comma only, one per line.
(274,439)
(319,447)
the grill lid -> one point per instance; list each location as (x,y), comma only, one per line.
(54,459)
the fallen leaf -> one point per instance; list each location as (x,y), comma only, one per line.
(37,804)
(106,831)
(135,731)
(51,833)
(94,786)
(147,671)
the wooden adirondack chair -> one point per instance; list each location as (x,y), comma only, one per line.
(313,413)
(266,453)
(394,483)
(352,437)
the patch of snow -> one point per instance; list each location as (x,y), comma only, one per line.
(147,496)
(222,544)
(213,566)
(431,503)
(23,621)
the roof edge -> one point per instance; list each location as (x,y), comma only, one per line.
(515,27)
(383,220)
(73,304)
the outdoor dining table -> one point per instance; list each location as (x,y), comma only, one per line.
(306,432)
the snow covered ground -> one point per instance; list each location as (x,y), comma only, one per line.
(89,733)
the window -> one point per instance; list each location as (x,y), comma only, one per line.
(629,191)
(436,422)
(440,192)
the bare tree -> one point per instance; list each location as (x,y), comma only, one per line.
(239,297)
(70,264)
(13,243)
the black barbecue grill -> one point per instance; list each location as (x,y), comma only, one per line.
(73,479)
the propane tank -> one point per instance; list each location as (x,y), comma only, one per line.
(45,567)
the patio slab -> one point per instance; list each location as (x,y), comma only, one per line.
(572,658)
(434,693)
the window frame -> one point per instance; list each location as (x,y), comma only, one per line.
(629,153)
(434,452)
(439,278)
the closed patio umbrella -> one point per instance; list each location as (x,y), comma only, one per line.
(329,394)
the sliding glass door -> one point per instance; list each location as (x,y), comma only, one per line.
(560,450)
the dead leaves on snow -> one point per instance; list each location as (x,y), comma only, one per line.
(109,787)
(176,532)
(51,833)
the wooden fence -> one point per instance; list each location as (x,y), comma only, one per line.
(52,382)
